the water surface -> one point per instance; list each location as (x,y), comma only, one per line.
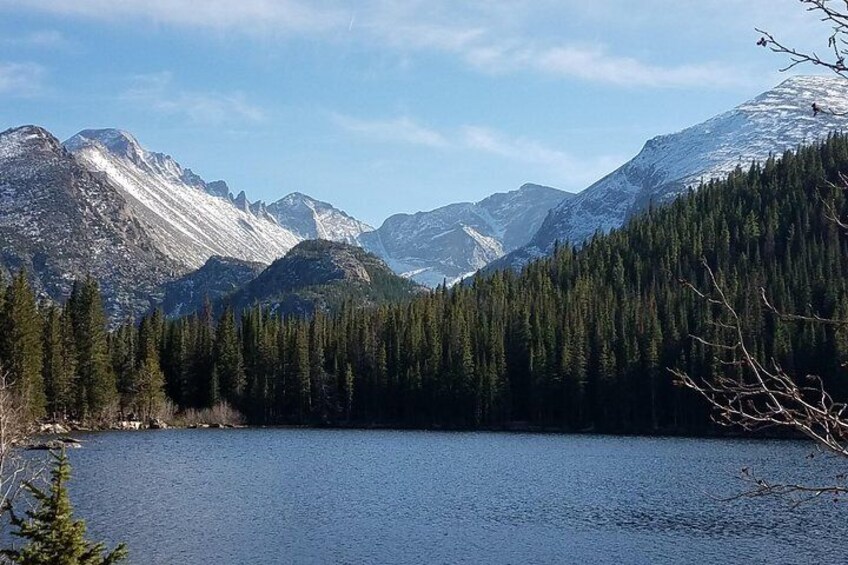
(342,496)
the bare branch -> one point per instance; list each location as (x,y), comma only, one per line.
(762,395)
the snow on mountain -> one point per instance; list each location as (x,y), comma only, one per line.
(308,218)
(60,222)
(668,165)
(188,219)
(453,241)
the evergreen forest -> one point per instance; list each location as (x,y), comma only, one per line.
(581,340)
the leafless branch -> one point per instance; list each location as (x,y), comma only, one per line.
(837,46)
(14,431)
(762,395)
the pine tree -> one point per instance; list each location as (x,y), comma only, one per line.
(96,389)
(228,361)
(21,344)
(59,363)
(52,534)
(150,385)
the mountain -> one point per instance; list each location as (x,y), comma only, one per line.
(216,279)
(669,165)
(189,220)
(456,240)
(308,218)
(321,275)
(61,222)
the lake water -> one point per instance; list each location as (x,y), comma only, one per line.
(322,496)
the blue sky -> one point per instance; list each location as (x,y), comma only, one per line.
(385,106)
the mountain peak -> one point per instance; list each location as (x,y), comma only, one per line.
(117,141)
(810,81)
(17,140)
(779,119)
(314,219)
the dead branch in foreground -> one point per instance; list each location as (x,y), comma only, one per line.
(760,395)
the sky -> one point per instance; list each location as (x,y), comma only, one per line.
(388,106)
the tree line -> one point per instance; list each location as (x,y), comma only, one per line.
(577,341)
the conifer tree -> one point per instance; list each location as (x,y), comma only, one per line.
(21,344)
(96,389)
(52,535)
(228,361)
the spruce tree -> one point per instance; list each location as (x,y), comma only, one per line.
(21,344)
(52,535)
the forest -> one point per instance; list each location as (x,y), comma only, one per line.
(580,341)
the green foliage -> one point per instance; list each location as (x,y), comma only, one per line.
(21,343)
(52,535)
(580,340)
(96,391)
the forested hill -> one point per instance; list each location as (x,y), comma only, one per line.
(580,340)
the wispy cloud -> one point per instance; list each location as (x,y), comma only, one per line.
(159,93)
(555,162)
(596,64)
(21,79)
(562,164)
(248,15)
(42,39)
(482,34)
(401,129)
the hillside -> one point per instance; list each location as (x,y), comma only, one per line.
(669,165)
(188,219)
(322,275)
(580,340)
(215,280)
(60,222)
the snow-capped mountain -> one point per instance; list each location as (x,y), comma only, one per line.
(453,241)
(668,165)
(60,222)
(188,219)
(308,218)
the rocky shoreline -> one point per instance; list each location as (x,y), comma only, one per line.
(42,440)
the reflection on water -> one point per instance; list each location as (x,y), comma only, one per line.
(312,496)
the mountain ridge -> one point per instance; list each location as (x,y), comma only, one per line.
(668,165)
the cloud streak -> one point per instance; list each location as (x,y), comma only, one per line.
(43,39)
(247,15)
(479,139)
(21,79)
(485,40)
(159,93)
(401,129)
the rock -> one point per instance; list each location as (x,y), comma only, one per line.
(129,425)
(157,424)
(55,445)
(52,429)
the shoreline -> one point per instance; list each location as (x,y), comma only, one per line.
(660,434)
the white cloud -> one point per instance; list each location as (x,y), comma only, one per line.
(557,163)
(21,79)
(401,129)
(45,39)
(562,164)
(158,92)
(248,15)
(489,36)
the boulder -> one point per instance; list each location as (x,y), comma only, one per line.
(129,425)
(157,424)
(53,428)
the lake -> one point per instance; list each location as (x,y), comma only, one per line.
(347,496)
